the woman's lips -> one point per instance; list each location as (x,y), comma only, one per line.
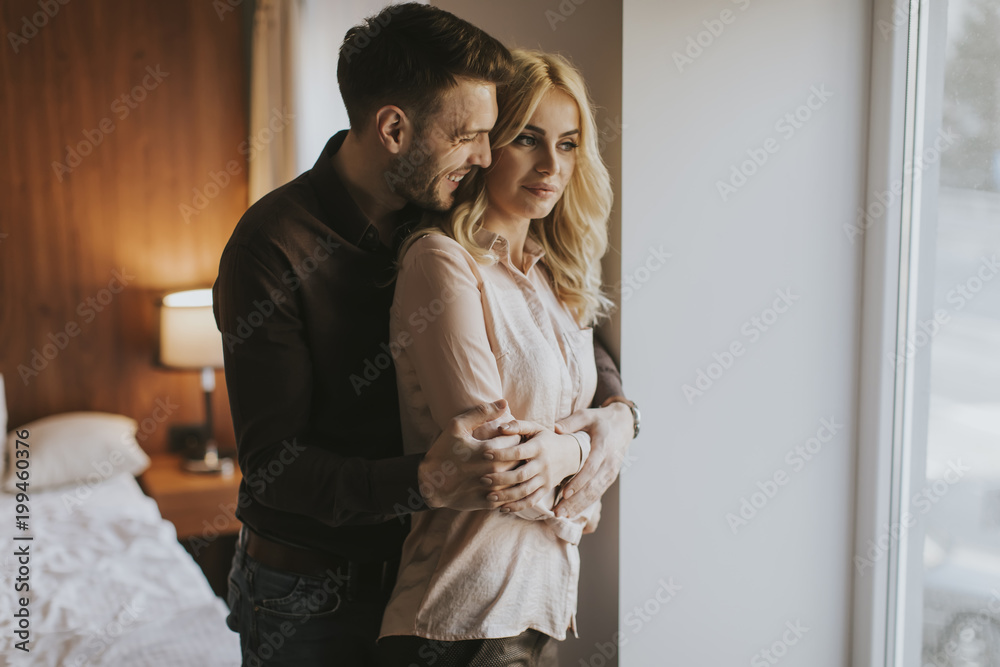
(542,191)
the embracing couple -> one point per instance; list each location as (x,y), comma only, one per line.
(424,508)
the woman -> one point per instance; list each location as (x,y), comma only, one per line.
(495,300)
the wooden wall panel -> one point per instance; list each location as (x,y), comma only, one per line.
(64,231)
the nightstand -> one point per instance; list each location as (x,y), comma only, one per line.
(202,508)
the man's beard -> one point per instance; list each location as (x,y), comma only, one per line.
(420,184)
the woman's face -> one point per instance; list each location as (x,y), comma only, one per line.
(529,175)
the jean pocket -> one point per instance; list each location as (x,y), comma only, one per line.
(294,596)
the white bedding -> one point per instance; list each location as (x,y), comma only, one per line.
(110,585)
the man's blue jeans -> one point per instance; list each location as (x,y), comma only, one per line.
(285,618)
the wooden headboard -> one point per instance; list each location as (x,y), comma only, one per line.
(115,114)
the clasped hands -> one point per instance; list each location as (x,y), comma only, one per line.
(486,460)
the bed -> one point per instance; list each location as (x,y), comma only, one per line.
(110,584)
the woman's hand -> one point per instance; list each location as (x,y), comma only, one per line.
(611,431)
(548,458)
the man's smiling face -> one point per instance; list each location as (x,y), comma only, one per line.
(451,143)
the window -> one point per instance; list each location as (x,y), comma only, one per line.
(941,536)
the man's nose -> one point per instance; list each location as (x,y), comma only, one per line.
(481,154)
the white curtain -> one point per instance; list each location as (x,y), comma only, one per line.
(273,96)
(323,26)
(293,84)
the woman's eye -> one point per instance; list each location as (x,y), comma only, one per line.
(569,145)
(525,140)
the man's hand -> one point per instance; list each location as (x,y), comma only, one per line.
(610,431)
(452,470)
(548,458)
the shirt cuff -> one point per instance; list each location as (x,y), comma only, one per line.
(582,439)
(395,486)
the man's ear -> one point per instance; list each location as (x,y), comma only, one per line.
(393,128)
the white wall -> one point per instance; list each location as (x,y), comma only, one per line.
(782,230)
(589,34)
(321,112)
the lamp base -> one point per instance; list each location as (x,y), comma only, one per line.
(211,463)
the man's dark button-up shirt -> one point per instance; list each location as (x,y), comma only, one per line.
(302,300)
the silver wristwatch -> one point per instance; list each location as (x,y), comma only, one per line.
(631,406)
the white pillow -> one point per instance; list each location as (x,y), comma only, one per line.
(3,427)
(82,448)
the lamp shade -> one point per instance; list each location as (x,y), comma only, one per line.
(189,337)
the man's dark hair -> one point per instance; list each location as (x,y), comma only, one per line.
(409,55)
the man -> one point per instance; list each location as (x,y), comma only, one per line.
(302,300)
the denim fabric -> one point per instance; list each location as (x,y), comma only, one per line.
(285,618)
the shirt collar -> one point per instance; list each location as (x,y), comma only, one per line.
(342,212)
(498,245)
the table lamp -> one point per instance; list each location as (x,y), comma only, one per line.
(189,339)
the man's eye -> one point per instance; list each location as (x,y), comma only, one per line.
(465,140)
(525,140)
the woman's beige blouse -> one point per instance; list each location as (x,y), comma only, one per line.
(470,334)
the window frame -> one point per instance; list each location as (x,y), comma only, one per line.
(907,61)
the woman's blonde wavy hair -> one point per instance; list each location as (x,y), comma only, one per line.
(575,234)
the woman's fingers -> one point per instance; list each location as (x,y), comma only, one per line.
(521,452)
(529,500)
(504,479)
(500,443)
(516,494)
